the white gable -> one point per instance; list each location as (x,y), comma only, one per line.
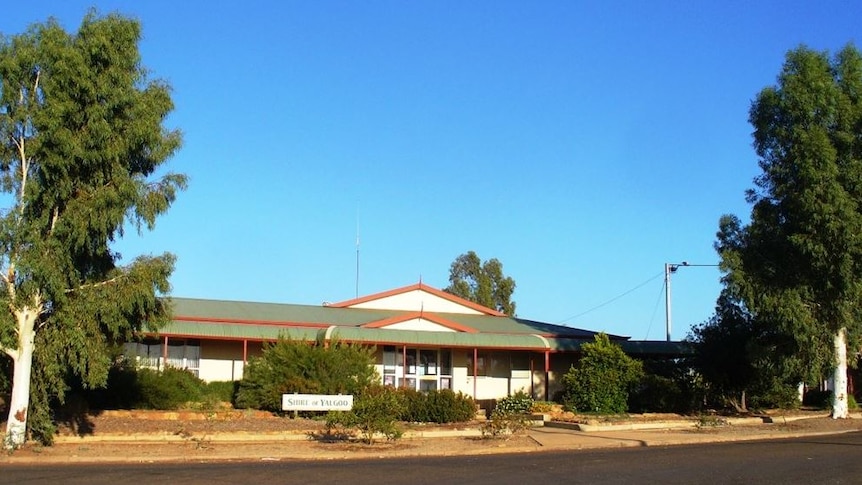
(416,300)
(418,324)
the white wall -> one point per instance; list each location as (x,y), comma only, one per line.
(419,324)
(417,300)
(220,360)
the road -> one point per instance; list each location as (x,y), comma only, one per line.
(833,459)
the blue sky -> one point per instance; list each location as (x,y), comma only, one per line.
(583,144)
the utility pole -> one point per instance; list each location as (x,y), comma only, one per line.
(670,268)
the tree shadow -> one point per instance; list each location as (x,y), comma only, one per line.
(331,436)
(76,416)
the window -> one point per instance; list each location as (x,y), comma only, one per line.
(428,362)
(389,359)
(428,369)
(445,363)
(147,353)
(183,354)
(494,364)
(480,367)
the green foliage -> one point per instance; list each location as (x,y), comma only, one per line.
(742,358)
(778,395)
(510,417)
(796,265)
(817,398)
(131,388)
(482,283)
(290,366)
(375,411)
(218,392)
(542,407)
(601,379)
(5,376)
(81,138)
(657,394)
(170,388)
(518,403)
(443,406)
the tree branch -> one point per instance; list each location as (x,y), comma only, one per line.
(95,285)
(11,353)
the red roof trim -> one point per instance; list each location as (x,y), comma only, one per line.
(431,317)
(363,342)
(419,286)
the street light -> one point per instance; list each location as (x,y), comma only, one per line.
(670,268)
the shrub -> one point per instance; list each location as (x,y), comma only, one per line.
(657,394)
(601,379)
(290,366)
(519,402)
(511,416)
(443,406)
(169,388)
(542,407)
(375,411)
(215,394)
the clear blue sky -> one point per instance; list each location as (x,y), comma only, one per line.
(583,144)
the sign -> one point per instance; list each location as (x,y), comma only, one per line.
(316,402)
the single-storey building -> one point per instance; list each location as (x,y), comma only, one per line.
(424,338)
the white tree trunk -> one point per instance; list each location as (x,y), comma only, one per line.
(839,403)
(16,425)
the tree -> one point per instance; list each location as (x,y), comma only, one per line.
(294,366)
(797,264)
(601,380)
(82,136)
(482,283)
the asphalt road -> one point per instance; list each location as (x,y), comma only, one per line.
(833,459)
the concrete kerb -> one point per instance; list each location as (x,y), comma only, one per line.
(299,436)
(240,437)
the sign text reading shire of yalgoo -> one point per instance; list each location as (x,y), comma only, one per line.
(316,402)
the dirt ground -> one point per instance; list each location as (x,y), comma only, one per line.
(141,436)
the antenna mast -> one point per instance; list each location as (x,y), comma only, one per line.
(357,253)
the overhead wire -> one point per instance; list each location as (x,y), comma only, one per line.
(613,299)
(655,308)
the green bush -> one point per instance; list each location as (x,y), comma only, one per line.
(415,409)
(375,411)
(443,406)
(542,407)
(169,388)
(601,380)
(511,416)
(519,402)
(290,366)
(220,391)
(657,394)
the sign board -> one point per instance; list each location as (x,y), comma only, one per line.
(316,402)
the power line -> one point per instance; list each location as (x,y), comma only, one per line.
(612,299)
(655,309)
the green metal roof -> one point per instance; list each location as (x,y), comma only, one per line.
(237,320)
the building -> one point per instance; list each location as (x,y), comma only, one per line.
(425,339)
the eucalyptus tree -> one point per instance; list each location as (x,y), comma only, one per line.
(482,282)
(798,262)
(82,136)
